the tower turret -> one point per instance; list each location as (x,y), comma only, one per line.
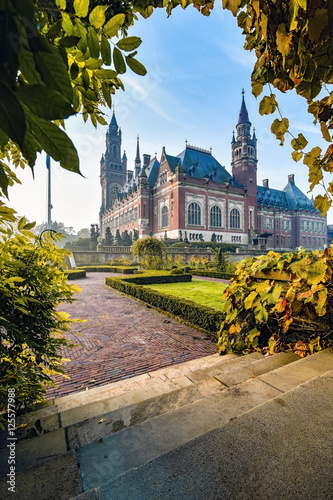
(137,163)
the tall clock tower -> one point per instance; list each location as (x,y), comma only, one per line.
(113,168)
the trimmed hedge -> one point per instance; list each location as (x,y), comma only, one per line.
(213,274)
(205,317)
(74,274)
(110,269)
(154,279)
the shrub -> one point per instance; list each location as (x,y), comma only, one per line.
(213,274)
(74,274)
(205,317)
(110,269)
(32,285)
(156,278)
(280,301)
(151,251)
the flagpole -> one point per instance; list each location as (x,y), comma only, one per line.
(49,204)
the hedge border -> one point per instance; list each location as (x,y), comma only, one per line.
(110,269)
(213,274)
(74,274)
(204,317)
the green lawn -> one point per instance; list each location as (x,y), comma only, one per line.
(207,293)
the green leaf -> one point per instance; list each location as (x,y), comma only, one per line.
(136,66)
(106,94)
(61,4)
(268,105)
(248,302)
(118,61)
(309,90)
(323,203)
(106,51)
(67,24)
(52,69)
(74,71)
(97,16)
(12,119)
(232,5)
(54,142)
(93,43)
(257,88)
(105,74)
(279,128)
(81,7)
(129,43)
(85,79)
(4,180)
(299,143)
(112,26)
(45,103)
(325,132)
(297,155)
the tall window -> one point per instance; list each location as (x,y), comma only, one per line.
(215,216)
(234,219)
(114,151)
(165,216)
(194,214)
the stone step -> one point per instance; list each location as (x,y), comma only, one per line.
(78,407)
(279,449)
(122,405)
(115,454)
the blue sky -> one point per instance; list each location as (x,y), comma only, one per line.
(196,71)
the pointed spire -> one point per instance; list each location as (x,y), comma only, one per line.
(137,159)
(124,155)
(113,120)
(243,114)
(254,138)
(233,137)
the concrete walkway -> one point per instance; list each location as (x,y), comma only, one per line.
(121,338)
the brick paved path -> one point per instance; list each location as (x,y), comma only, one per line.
(121,338)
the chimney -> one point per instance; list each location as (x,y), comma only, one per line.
(146,160)
(291,179)
(265,183)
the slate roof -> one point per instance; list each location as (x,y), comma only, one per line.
(290,198)
(297,199)
(272,197)
(199,163)
(243,114)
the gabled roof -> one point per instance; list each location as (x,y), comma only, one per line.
(152,171)
(173,161)
(200,163)
(297,199)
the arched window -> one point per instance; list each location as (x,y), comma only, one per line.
(194,214)
(114,152)
(234,219)
(165,216)
(215,216)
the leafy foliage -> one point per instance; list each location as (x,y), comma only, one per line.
(151,251)
(202,316)
(292,42)
(32,330)
(278,300)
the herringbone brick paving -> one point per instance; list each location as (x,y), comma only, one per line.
(121,338)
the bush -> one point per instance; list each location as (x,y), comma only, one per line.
(276,302)
(74,274)
(213,274)
(154,279)
(110,269)
(205,317)
(32,285)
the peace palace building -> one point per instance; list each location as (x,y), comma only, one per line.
(193,196)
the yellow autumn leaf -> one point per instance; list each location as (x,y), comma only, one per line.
(283,41)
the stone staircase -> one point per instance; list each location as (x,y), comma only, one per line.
(159,435)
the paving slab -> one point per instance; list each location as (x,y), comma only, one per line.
(279,450)
(305,369)
(57,479)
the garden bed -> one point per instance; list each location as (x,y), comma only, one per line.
(204,317)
